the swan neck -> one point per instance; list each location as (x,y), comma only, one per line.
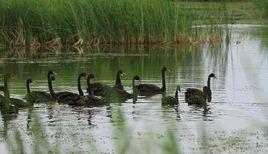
(118,81)
(163,81)
(208,82)
(28,87)
(133,84)
(176,95)
(50,87)
(81,93)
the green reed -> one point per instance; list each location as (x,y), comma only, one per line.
(262,7)
(68,22)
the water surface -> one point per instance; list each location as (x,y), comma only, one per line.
(234,121)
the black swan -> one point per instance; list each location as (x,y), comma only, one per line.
(118,93)
(80,91)
(90,100)
(151,89)
(196,96)
(99,89)
(65,97)
(169,100)
(16,102)
(118,83)
(5,105)
(36,96)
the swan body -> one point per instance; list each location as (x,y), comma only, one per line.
(170,100)
(36,96)
(151,89)
(199,97)
(90,99)
(67,97)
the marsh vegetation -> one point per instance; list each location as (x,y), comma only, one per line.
(51,23)
(140,37)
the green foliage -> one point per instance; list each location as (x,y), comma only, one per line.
(171,145)
(122,132)
(18,147)
(262,5)
(99,21)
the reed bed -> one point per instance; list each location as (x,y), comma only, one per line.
(262,7)
(91,22)
(48,25)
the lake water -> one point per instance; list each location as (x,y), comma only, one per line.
(236,120)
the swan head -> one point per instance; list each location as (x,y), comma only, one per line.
(50,72)
(212,75)
(165,69)
(30,81)
(91,76)
(136,77)
(83,74)
(121,73)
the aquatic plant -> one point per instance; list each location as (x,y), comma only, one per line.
(68,22)
(54,23)
(262,6)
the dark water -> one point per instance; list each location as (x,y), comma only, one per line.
(235,121)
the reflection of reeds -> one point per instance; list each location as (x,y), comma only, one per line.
(40,144)
(38,136)
(104,61)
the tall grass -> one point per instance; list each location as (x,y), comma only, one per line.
(211,22)
(262,6)
(37,22)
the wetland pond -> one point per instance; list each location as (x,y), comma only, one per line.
(234,122)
